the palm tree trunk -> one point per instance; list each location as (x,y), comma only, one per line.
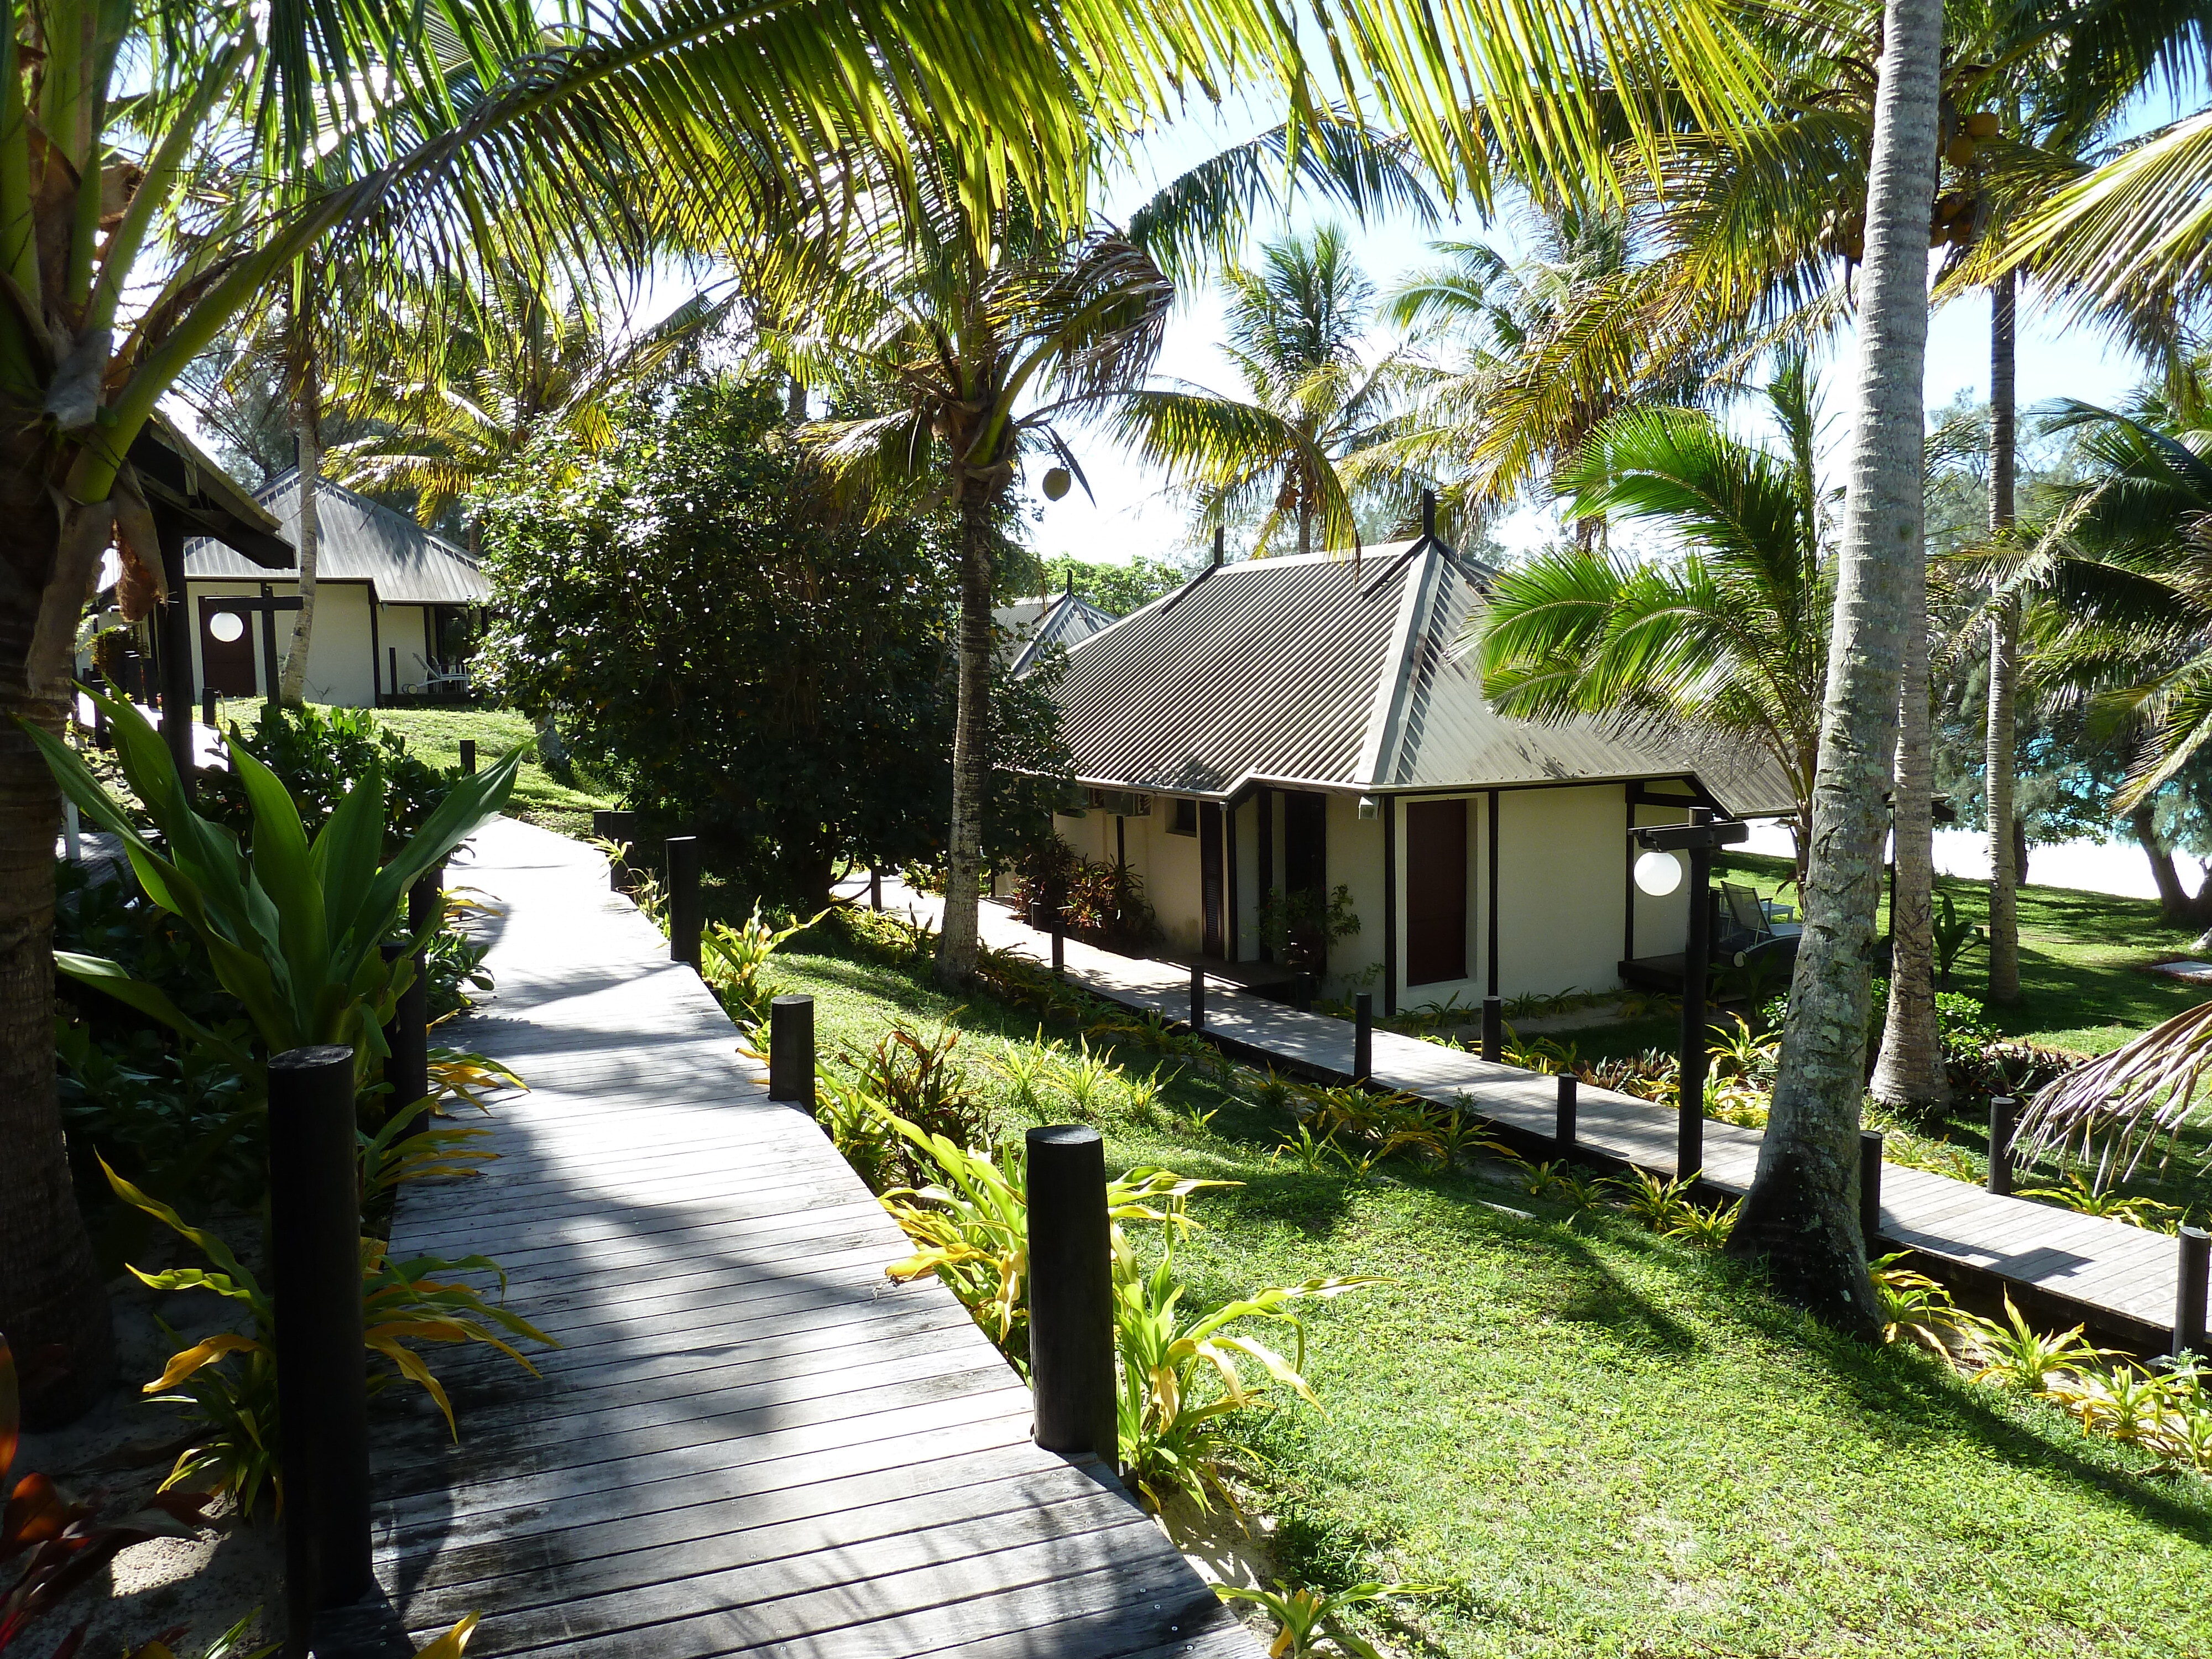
(1910,1071)
(1801,1211)
(306,433)
(2005,874)
(53,1310)
(956,947)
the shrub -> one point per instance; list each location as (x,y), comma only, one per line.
(734,956)
(319,755)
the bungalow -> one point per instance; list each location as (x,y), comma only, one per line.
(396,607)
(1280,729)
(1028,627)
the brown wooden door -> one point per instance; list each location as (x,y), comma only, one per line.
(1436,890)
(227,665)
(1210,877)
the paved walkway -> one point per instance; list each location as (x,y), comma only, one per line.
(751,1441)
(2123,1278)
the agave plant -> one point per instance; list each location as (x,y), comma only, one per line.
(1304,1616)
(1184,1382)
(292,930)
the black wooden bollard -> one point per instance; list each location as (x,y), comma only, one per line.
(684,917)
(791,1050)
(618,827)
(1869,1186)
(1197,998)
(468,757)
(1071,1293)
(407,1068)
(875,889)
(2191,1280)
(1362,1036)
(1494,1029)
(322,1378)
(2003,1111)
(207,708)
(1563,1133)
(1059,945)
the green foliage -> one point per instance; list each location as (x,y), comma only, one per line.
(1299,928)
(2085,1198)
(739,649)
(2014,1354)
(1914,1305)
(1305,1616)
(734,957)
(1120,588)
(1660,1205)
(1954,938)
(320,755)
(915,1080)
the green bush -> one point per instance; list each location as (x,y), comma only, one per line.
(320,754)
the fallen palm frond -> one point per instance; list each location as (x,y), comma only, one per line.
(2114,1110)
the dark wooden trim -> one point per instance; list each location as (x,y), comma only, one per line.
(174,638)
(1628,881)
(1229,880)
(1264,832)
(375,658)
(270,667)
(1489,952)
(1389,905)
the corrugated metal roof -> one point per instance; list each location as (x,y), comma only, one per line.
(1343,674)
(357,540)
(1061,619)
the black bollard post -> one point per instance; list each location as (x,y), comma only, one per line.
(618,827)
(683,919)
(468,757)
(1059,944)
(407,1068)
(2004,1109)
(875,889)
(1197,998)
(207,708)
(1869,1186)
(1563,1133)
(1362,1036)
(791,1050)
(322,1378)
(1494,1029)
(2194,1274)
(1071,1293)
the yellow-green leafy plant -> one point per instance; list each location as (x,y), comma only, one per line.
(1914,1306)
(1737,1053)
(1458,1133)
(1545,1054)
(1312,1155)
(463,1075)
(391,1155)
(1659,1204)
(2087,1198)
(1185,1381)
(1085,1078)
(1270,1089)
(1306,1618)
(1028,1068)
(861,1133)
(234,1442)
(2014,1354)
(2124,1401)
(734,957)
(1697,1224)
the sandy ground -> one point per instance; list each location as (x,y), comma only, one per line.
(116,1456)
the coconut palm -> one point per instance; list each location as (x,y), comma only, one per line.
(1297,328)
(1728,640)
(692,118)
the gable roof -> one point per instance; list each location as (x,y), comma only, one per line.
(356,540)
(1061,619)
(1330,671)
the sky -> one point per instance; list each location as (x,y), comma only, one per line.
(1126,517)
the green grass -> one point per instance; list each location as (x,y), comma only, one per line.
(435,734)
(1605,1443)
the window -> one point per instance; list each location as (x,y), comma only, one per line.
(1185,821)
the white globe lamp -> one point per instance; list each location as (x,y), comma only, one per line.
(1658,873)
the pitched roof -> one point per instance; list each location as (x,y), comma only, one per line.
(1337,672)
(1061,619)
(178,476)
(356,540)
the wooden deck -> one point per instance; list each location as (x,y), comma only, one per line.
(2122,1280)
(750,1442)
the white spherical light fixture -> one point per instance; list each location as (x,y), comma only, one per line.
(227,626)
(1658,873)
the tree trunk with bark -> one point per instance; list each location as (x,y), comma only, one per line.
(53,1308)
(957,945)
(2005,873)
(1909,1071)
(2175,901)
(1801,1211)
(307,434)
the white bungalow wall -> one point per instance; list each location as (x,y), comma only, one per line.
(339,655)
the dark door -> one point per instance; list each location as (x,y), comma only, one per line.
(1210,877)
(1436,890)
(1305,876)
(226,664)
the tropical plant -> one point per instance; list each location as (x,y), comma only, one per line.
(392,1155)
(2115,1110)
(1183,1382)
(1709,1227)
(1730,639)
(292,929)
(1660,1204)
(233,1415)
(1085,1078)
(1305,1616)
(2014,1354)
(319,754)
(1027,1068)
(1296,329)
(736,955)
(2084,1199)
(917,1080)
(1914,1305)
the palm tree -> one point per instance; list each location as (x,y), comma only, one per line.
(1295,328)
(1728,640)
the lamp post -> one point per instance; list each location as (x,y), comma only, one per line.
(1659,872)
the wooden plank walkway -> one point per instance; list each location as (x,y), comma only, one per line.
(2121,1279)
(751,1441)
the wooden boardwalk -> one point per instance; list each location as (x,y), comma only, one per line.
(2121,1279)
(750,1441)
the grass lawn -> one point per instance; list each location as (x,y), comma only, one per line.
(435,734)
(1602,1442)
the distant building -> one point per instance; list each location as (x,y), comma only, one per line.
(396,607)
(1292,726)
(1029,627)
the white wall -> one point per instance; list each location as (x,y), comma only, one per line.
(339,653)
